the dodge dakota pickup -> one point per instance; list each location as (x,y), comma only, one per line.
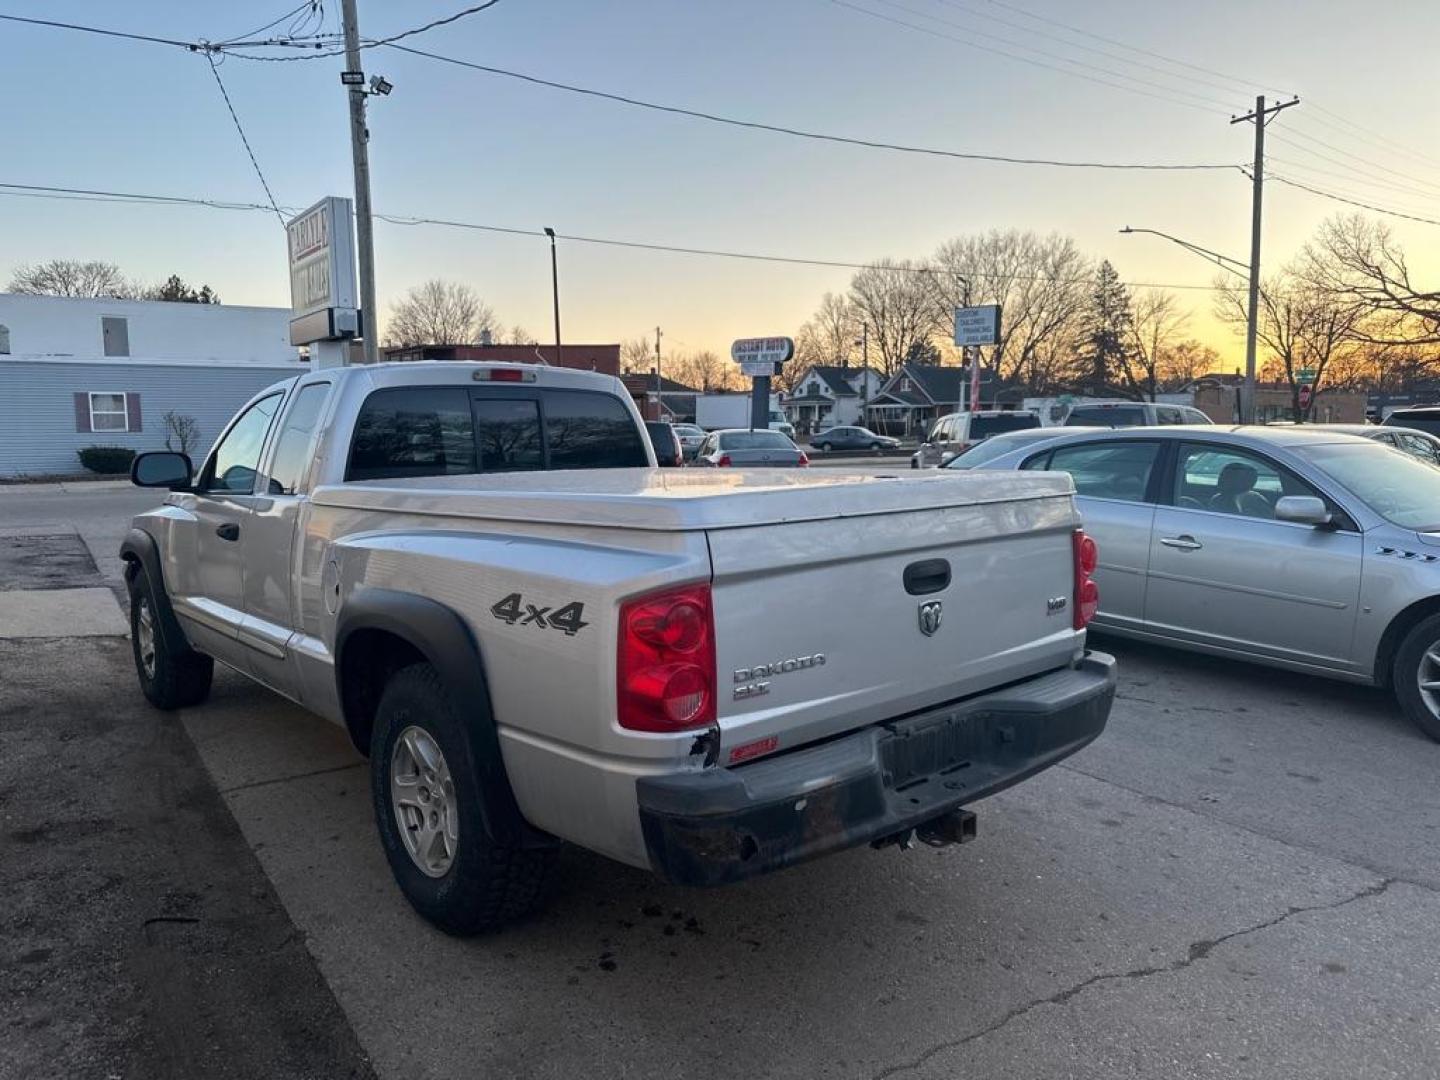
(536,636)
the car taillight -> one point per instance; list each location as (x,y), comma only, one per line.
(665,661)
(1087,593)
(804,461)
(724,461)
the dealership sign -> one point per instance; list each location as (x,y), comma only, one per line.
(762,350)
(977,325)
(322,273)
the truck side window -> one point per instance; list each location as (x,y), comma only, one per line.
(234,462)
(296,442)
(413,431)
(591,431)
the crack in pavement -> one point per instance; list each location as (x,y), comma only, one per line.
(1196,951)
(287,779)
(1274,837)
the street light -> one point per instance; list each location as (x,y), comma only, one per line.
(1247,394)
(555,290)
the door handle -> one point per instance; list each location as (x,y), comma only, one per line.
(228,531)
(1184,542)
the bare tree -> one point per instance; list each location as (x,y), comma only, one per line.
(1042,284)
(69,277)
(183,430)
(830,336)
(1305,328)
(895,302)
(702,369)
(1156,323)
(1186,361)
(518,335)
(438,313)
(637,355)
(1357,261)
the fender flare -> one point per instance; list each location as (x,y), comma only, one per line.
(445,640)
(139,549)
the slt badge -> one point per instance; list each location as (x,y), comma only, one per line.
(930,614)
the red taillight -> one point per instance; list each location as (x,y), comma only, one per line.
(804,461)
(1087,593)
(506,375)
(724,461)
(665,662)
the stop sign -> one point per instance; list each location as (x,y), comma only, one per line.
(1304,395)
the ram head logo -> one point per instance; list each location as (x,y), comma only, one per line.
(930,615)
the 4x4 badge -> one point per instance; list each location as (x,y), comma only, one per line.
(930,615)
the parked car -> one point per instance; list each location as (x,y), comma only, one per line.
(1419,418)
(743,448)
(957,432)
(846,437)
(1118,414)
(691,436)
(999,445)
(666,442)
(1418,444)
(1298,547)
(662,668)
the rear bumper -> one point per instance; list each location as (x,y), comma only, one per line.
(724,825)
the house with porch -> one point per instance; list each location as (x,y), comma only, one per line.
(917,394)
(826,395)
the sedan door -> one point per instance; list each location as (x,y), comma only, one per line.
(1115,487)
(1225,574)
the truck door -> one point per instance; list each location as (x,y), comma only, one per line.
(210,594)
(272,576)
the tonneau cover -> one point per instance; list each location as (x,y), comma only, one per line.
(682,500)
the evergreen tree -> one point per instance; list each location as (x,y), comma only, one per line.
(1105,330)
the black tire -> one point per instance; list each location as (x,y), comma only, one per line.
(824,447)
(486,884)
(1405,675)
(875,447)
(172,675)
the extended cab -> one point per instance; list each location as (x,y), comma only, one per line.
(537,636)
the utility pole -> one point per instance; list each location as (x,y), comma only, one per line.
(658,383)
(354,79)
(555,291)
(1261,116)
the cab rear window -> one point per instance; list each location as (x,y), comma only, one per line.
(450,430)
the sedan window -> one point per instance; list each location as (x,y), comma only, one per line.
(1419,446)
(1108,470)
(1403,491)
(1231,481)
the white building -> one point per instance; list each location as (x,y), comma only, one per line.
(86,372)
(828,395)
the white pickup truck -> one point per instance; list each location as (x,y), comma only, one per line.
(535,636)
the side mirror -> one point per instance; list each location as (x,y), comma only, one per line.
(161,469)
(947,457)
(1302,510)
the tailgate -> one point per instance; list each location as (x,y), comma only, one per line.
(819,630)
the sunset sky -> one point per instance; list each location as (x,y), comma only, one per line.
(92,112)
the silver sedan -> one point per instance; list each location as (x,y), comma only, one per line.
(1298,547)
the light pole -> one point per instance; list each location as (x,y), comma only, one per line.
(864,344)
(1225,262)
(555,290)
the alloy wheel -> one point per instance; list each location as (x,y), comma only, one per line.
(422,793)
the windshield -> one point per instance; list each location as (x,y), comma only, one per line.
(1428,422)
(989,450)
(1402,490)
(755,440)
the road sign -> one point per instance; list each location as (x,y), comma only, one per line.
(977,325)
(762,350)
(1305,392)
(757,369)
(322,273)
(1305,375)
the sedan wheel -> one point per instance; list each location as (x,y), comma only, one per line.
(1416,675)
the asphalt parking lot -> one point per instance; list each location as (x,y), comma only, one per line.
(1238,879)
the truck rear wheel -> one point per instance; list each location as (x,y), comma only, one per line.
(427,800)
(171,674)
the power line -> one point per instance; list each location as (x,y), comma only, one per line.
(1354,157)
(215,70)
(103,196)
(1349,178)
(1368,135)
(1208,83)
(1040,52)
(311,4)
(103,32)
(370,44)
(779,129)
(1015,56)
(1355,202)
